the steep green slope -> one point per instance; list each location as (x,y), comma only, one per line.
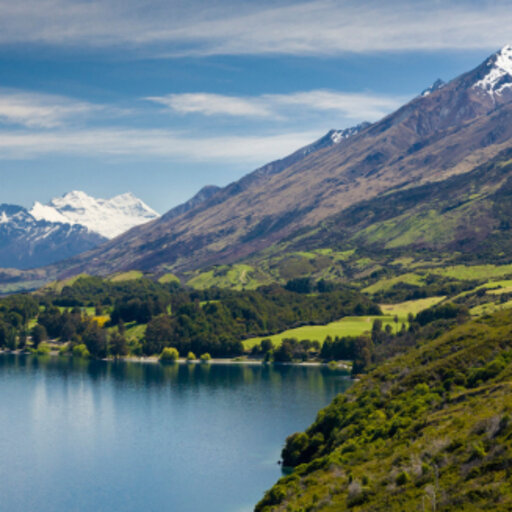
(466,213)
(429,430)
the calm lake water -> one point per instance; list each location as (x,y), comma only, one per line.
(116,437)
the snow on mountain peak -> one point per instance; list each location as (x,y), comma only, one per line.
(438,84)
(499,76)
(107,217)
(338,135)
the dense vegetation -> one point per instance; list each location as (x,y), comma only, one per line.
(96,313)
(427,430)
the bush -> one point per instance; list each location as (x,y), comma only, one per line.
(43,349)
(403,478)
(169,355)
(81,351)
(205,358)
(191,356)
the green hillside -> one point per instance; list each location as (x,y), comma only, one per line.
(428,430)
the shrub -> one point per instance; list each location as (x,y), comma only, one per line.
(43,349)
(191,356)
(205,357)
(81,351)
(402,478)
(169,355)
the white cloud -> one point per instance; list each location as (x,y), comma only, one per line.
(214,104)
(227,27)
(40,110)
(360,106)
(152,143)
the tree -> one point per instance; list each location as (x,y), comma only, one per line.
(159,332)
(38,335)
(363,354)
(205,358)
(95,340)
(266,345)
(284,354)
(169,355)
(118,345)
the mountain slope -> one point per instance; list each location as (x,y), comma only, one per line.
(26,242)
(429,430)
(445,133)
(106,217)
(468,212)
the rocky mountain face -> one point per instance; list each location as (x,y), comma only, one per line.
(26,242)
(65,227)
(448,132)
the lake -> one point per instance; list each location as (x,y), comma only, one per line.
(125,436)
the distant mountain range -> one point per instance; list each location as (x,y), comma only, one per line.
(348,188)
(64,227)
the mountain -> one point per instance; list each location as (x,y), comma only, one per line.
(448,132)
(311,194)
(27,242)
(65,227)
(106,217)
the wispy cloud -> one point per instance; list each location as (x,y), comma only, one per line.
(214,104)
(152,143)
(41,110)
(242,27)
(349,105)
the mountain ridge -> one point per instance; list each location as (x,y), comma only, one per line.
(447,132)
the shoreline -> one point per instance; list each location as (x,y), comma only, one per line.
(182,360)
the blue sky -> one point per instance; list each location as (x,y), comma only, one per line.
(162,97)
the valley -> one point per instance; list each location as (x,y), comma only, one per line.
(383,250)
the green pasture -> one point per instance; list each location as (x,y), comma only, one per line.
(168,278)
(388,283)
(489,308)
(351,325)
(403,309)
(348,326)
(131,275)
(237,277)
(473,272)
(58,286)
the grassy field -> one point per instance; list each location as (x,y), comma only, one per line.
(351,325)
(386,284)
(126,276)
(348,326)
(237,277)
(499,287)
(58,286)
(489,308)
(403,309)
(468,273)
(168,278)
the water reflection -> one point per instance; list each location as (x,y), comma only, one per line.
(93,435)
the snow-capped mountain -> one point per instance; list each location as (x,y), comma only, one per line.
(498,76)
(26,242)
(107,217)
(65,227)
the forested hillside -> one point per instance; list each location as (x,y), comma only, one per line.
(427,430)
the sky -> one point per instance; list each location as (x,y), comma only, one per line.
(160,98)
